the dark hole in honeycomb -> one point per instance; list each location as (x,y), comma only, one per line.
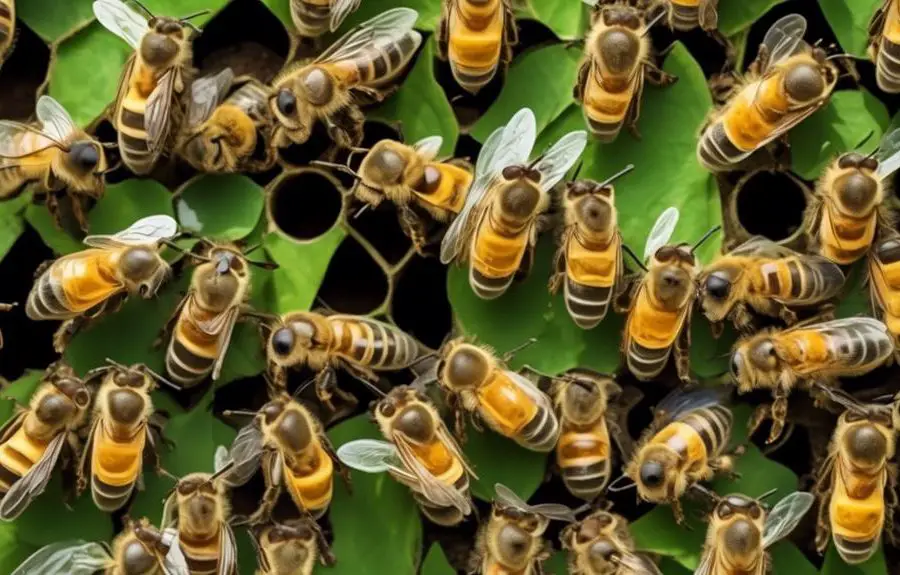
(422,285)
(354,283)
(757,201)
(22,74)
(305,205)
(379,226)
(317,147)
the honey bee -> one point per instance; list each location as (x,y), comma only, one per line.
(290,445)
(848,208)
(123,431)
(686,444)
(617,60)
(314,18)
(410,177)
(419,453)
(741,529)
(357,344)
(54,156)
(32,441)
(588,262)
(140,549)
(780,360)
(787,83)
(884,46)
(476,36)
(361,64)
(5,307)
(660,304)
(761,276)
(511,541)
(81,286)
(146,108)
(856,483)
(884,284)
(498,226)
(290,548)
(228,128)
(7,28)
(601,544)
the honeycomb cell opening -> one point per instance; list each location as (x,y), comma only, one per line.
(354,282)
(305,205)
(770,204)
(23,72)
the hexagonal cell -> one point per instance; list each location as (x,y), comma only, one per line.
(381,228)
(304,204)
(318,147)
(770,204)
(22,74)
(419,304)
(354,282)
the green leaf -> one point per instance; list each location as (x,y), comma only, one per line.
(849,19)
(837,128)
(557,564)
(126,202)
(11,222)
(670,567)
(21,390)
(568,20)
(657,532)
(710,357)
(788,559)
(12,549)
(301,268)
(519,469)
(225,207)
(56,239)
(49,22)
(436,562)
(553,69)
(429,13)
(855,295)
(282,9)
(394,545)
(737,16)
(834,565)
(82,521)
(421,106)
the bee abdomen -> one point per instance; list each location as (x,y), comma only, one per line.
(446,516)
(311,20)
(46,300)
(587,305)
(685,17)
(587,481)
(472,79)
(185,365)
(541,433)
(716,152)
(713,425)
(488,287)
(378,67)
(133,144)
(108,497)
(645,363)
(887,66)
(201,554)
(604,131)
(853,552)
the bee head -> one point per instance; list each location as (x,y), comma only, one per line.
(466,366)
(806,80)
(865,445)
(383,164)
(717,290)
(656,474)
(741,519)
(857,186)
(162,44)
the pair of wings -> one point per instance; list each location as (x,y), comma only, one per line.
(508,498)
(780,521)
(220,325)
(56,125)
(340,9)
(149,231)
(507,146)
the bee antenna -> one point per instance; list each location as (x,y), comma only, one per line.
(109,145)
(360,211)
(230,412)
(705,237)
(163,380)
(140,5)
(866,139)
(653,23)
(372,387)
(616,176)
(768,493)
(577,170)
(302,387)
(225,469)
(116,364)
(422,358)
(712,495)
(619,484)
(174,478)
(634,257)
(339,167)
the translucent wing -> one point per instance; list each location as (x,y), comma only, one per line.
(762,246)
(888,154)
(174,563)
(156,113)
(638,564)
(785,516)
(556,511)
(531,390)
(508,497)
(56,122)
(662,231)
(221,458)
(121,21)
(65,558)
(246,452)
(229,320)
(554,164)
(591,3)
(432,488)
(373,34)
(369,455)
(228,551)
(21,140)
(429,147)
(206,94)
(707,562)
(784,38)
(340,9)
(147,230)
(32,483)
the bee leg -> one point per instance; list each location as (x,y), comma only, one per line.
(657,76)
(786,315)
(163,336)
(42,267)
(157,423)
(779,414)
(66,331)
(822,491)
(415,229)
(327,387)
(443,32)
(623,300)
(581,82)
(743,319)
(759,415)
(276,378)
(678,513)
(683,353)
(731,62)
(475,420)
(326,555)
(78,212)
(52,203)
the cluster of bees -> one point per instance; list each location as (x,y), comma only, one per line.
(102,425)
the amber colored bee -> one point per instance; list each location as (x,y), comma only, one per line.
(7,28)
(33,439)
(848,209)
(511,541)
(476,36)
(81,286)
(357,344)
(290,445)
(617,60)
(601,544)
(54,156)
(884,46)
(588,262)
(5,307)
(290,548)
(123,431)
(419,453)
(780,360)
(146,108)
(884,284)
(228,127)
(497,229)
(314,18)
(761,276)
(857,483)
(787,83)
(140,549)
(361,64)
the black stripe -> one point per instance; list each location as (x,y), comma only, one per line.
(130,119)
(394,55)
(109,497)
(190,360)
(4,31)
(605,131)
(7,477)
(380,66)
(685,18)
(796,278)
(4,11)
(133,145)
(486,287)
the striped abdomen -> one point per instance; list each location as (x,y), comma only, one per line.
(134,145)
(476,37)
(32,165)
(251,98)
(884,275)
(512,412)
(7,27)
(116,465)
(798,280)
(856,510)
(650,334)
(497,251)
(310,480)
(312,19)
(373,344)
(685,14)
(447,469)
(74,284)
(591,274)
(201,551)
(887,61)
(584,458)
(712,425)
(837,351)
(606,102)
(443,186)
(844,239)
(18,455)
(381,64)
(192,351)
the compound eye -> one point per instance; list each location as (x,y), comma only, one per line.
(283,341)
(717,286)
(666,253)
(737,362)
(725,511)
(755,512)
(287,102)
(82,398)
(513,172)
(387,409)
(85,156)
(652,474)
(869,164)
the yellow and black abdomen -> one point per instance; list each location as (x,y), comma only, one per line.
(650,333)
(844,239)
(887,59)
(591,274)
(604,107)
(372,344)
(443,188)
(378,66)
(30,167)
(685,14)
(310,481)
(884,275)
(130,122)
(797,280)
(74,285)
(713,426)
(856,512)
(116,465)
(446,469)
(18,455)
(201,551)
(475,45)
(496,255)
(311,17)
(192,350)
(584,458)
(510,411)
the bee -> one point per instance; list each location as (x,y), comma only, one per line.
(848,207)
(146,108)
(7,28)
(314,18)
(357,344)
(81,286)
(617,60)
(32,441)
(588,262)
(361,64)
(123,431)
(54,156)
(290,445)
(601,544)
(5,307)
(779,360)
(410,177)
(498,226)
(686,444)
(660,304)
(290,548)
(476,36)
(884,284)
(761,276)
(419,453)
(794,80)
(228,128)
(511,541)
(741,529)
(856,484)
(140,549)
(884,46)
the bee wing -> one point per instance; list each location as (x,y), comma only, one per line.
(370,455)
(556,511)
(65,558)
(554,164)
(508,497)
(451,444)
(432,488)
(246,452)
(681,401)
(888,154)
(170,511)
(159,105)
(662,231)
(638,564)
(32,483)
(591,3)
(784,38)
(373,34)
(530,389)
(145,231)
(121,21)
(785,516)
(340,9)
(174,563)
(206,94)
(56,122)
(221,458)
(223,325)
(227,550)
(14,144)
(429,147)
(762,246)
(707,562)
